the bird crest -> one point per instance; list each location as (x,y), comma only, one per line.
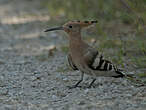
(76,24)
(81,23)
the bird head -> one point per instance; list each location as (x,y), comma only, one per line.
(72,26)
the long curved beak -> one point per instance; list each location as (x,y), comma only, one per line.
(53,29)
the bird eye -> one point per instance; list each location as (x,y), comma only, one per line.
(70,26)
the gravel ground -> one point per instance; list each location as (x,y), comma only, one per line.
(30,80)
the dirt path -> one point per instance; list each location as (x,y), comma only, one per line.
(29,80)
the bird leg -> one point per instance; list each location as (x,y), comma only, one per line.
(90,85)
(76,85)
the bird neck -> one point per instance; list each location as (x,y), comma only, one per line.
(75,38)
(76,43)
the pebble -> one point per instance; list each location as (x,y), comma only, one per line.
(86,91)
(54,97)
(3,91)
(65,79)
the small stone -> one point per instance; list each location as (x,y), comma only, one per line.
(93,40)
(65,79)
(82,102)
(2,62)
(54,97)
(86,91)
(33,78)
(36,72)
(52,48)
(3,91)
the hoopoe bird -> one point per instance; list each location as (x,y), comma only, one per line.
(85,58)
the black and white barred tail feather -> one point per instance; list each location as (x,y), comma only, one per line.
(100,64)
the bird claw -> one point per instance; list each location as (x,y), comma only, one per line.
(74,86)
(91,86)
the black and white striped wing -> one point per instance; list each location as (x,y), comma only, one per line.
(100,64)
(70,62)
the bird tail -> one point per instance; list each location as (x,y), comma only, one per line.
(125,74)
(131,77)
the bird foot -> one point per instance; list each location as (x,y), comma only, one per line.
(91,86)
(74,86)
